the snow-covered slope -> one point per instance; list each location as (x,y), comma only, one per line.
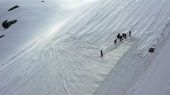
(156,80)
(137,60)
(67,61)
(130,69)
(35,19)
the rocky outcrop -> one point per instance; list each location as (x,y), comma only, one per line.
(7,24)
(16,6)
(2,36)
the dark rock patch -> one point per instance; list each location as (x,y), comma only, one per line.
(7,24)
(16,6)
(151,50)
(42,1)
(2,36)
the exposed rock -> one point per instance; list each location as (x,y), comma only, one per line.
(16,6)
(7,24)
(2,36)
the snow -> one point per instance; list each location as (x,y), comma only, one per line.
(156,80)
(35,19)
(60,54)
(136,61)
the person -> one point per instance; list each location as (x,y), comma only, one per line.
(130,33)
(101,53)
(119,37)
(124,35)
(115,41)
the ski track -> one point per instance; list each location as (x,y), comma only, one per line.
(70,63)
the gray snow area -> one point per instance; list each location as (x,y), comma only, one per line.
(156,81)
(54,47)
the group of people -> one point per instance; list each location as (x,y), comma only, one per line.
(119,37)
(122,36)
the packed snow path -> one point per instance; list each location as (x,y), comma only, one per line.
(69,63)
(74,68)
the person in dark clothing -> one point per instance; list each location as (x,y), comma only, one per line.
(130,33)
(115,41)
(101,51)
(119,36)
(124,35)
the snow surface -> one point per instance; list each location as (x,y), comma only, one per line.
(131,67)
(156,81)
(35,20)
(66,60)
